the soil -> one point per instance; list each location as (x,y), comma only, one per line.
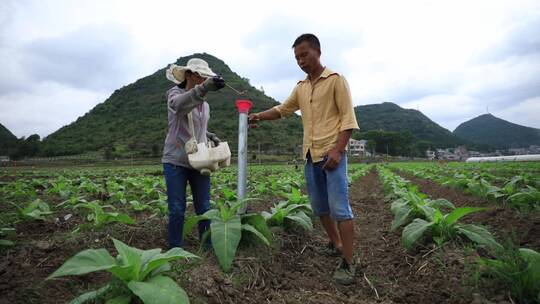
(292,270)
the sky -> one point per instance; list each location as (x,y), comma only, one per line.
(452,60)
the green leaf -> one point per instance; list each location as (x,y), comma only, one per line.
(159,290)
(163,258)
(229,194)
(159,270)
(533,259)
(306,208)
(439,240)
(456,214)
(429,213)
(225,239)
(302,219)
(239,204)
(6,243)
(295,196)
(520,196)
(213,214)
(190,223)
(258,221)
(86,261)
(256,232)
(130,261)
(479,235)
(37,214)
(91,295)
(121,299)
(267,215)
(123,218)
(401,216)
(413,231)
(440,203)
(397,204)
(147,255)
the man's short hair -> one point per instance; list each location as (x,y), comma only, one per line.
(310,38)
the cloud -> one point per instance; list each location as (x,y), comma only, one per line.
(521,37)
(449,109)
(48,82)
(35,112)
(453,73)
(91,57)
(451,59)
(524,113)
(269,56)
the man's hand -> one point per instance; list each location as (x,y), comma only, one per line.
(333,157)
(269,114)
(253,119)
(214,83)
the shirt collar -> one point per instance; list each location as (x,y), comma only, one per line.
(325,74)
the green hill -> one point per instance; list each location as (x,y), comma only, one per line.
(8,141)
(388,116)
(134,118)
(497,132)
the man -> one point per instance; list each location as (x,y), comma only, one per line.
(328,119)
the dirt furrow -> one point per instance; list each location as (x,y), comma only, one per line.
(425,276)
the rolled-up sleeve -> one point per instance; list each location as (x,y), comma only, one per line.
(344,104)
(290,105)
(182,102)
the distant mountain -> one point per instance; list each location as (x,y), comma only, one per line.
(388,116)
(8,141)
(134,118)
(502,134)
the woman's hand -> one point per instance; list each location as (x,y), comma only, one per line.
(213,138)
(213,83)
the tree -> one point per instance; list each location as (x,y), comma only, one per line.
(370,146)
(155,150)
(420,148)
(391,143)
(27,147)
(108,152)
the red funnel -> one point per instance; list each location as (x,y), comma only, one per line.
(243,105)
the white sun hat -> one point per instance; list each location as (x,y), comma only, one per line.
(177,73)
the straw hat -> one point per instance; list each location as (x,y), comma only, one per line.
(177,73)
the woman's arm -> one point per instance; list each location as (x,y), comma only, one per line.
(180,101)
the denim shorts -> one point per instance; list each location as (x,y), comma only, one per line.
(328,189)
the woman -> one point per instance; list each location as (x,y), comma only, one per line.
(193,82)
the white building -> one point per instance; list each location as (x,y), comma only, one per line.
(358,147)
(430,154)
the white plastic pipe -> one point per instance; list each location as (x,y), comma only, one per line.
(243,110)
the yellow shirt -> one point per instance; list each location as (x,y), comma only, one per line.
(326,108)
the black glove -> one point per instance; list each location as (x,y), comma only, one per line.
(213,138)
(214,83)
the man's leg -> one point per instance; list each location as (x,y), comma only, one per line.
(346,231)
(338,199)
(341,212)
(318,197)
(331,229)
